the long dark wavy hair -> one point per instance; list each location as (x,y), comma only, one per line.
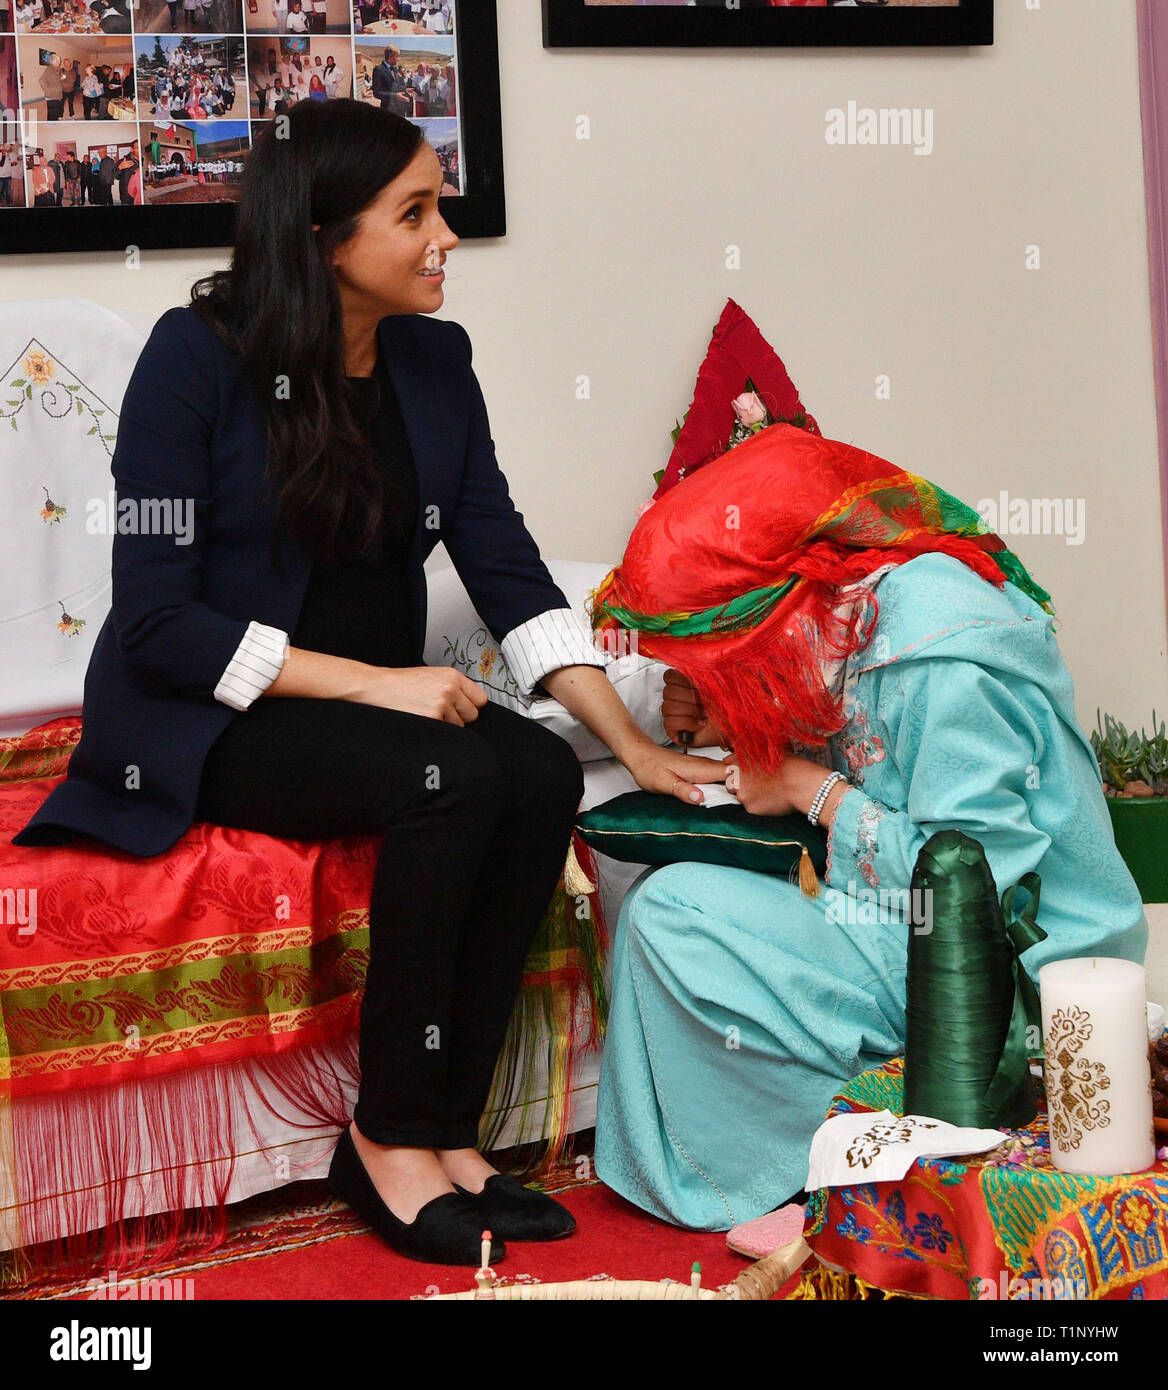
(278,308)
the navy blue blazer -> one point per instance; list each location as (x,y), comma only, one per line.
(189,429)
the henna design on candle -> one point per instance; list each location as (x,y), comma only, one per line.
(1074,1082)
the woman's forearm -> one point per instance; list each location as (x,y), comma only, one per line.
(316,676)
(587,692)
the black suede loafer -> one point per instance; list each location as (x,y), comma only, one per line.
(446,1231)
(516,1212)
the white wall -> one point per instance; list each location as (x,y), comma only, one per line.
(856,261)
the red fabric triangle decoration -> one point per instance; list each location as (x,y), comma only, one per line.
(737,350)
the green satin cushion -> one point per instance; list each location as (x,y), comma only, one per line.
(646,828)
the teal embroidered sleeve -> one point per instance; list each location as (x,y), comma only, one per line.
(964,745)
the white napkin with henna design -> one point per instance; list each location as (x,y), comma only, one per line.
(878,1146)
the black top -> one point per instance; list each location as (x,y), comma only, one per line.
(360,608)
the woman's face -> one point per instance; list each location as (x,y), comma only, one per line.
(399,235)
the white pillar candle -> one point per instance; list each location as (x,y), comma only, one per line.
(1098,1081)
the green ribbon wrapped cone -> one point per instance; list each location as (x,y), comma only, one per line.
(969,999)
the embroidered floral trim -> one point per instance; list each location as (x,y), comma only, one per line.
(856,744)
(867,832)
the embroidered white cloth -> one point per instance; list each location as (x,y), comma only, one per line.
(881,1147)
(66,363)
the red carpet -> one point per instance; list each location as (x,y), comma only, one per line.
(612,1237)
(300,1243)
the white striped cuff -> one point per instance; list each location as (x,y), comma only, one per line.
(559,637)
(257,662)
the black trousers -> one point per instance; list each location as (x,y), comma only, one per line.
(476,821)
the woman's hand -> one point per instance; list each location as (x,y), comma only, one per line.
(587,692)
(436,692)
(791,789)
(671,773)
(682,712)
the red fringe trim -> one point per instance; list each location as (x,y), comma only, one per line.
(80,1159)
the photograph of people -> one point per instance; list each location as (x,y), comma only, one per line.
(12,166)
(189,78)
(42,180)
(194,161)
(83,76)
(299,17)
(11,134)
(72,17)
(177,16)
(294,620)
(112,16)
(401,18)
(410,81)
(73,169)
(284,71)
(442,133)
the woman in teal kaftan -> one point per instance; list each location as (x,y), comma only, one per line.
(740,1006)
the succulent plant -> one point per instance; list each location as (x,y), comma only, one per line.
(1156,756)
(1130,757)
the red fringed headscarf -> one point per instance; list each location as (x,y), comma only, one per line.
(733,577)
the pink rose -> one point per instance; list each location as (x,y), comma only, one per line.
(643,508)
(749,409)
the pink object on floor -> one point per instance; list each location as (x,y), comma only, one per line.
(759,1237)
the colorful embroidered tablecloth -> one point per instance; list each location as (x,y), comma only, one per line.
(1003,1224)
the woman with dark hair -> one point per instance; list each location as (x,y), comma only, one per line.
(268,674)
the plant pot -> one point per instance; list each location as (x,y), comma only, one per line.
(1141,836)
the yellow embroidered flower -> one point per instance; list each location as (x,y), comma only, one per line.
(39,368)
(487,662)
(67,625)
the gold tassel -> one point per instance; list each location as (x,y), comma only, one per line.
(576,881)
(808,880)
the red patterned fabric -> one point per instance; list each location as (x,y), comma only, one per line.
(231,945)
(132,965)
(999,1225)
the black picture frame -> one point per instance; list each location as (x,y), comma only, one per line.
(479,212)
(713,24)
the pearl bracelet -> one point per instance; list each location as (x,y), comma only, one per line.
(822,794)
